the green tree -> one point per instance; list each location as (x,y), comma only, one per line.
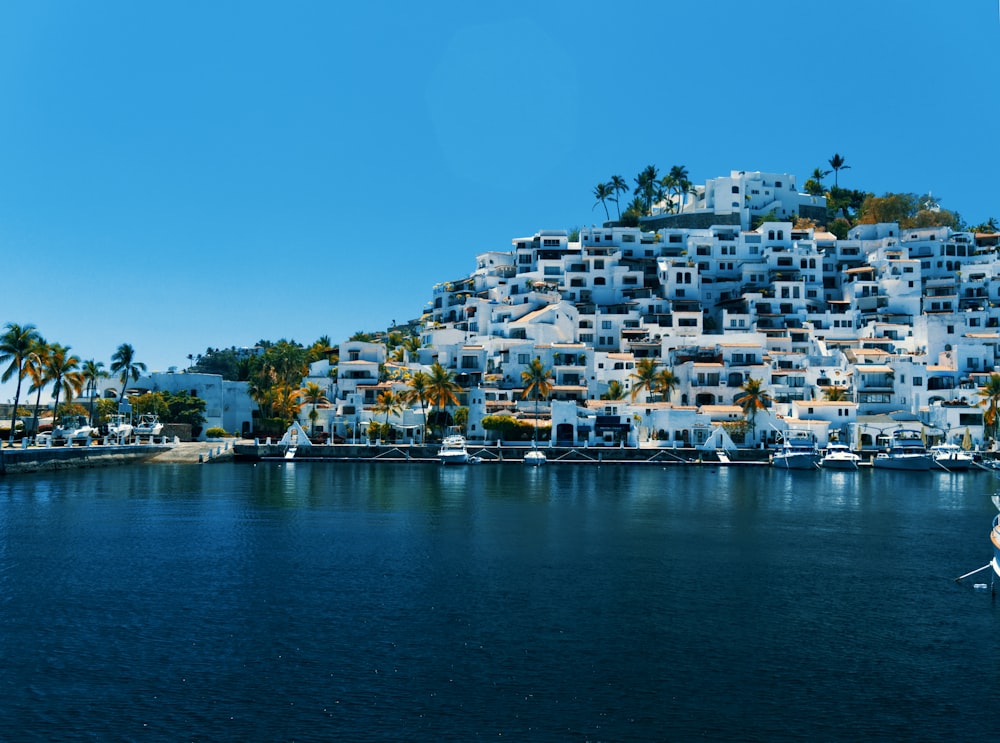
(389,403)
(837,163)
(666,383)
(603,192)
(15,345)
(834,394)
(989,396)
(645,187)
(615,391)
(36,364)
(123,364)
(63,369)
(754,398)
(619,186)
(645,377)
(537,383)
(93,372)
(442,389)
(313,394)
(418,389)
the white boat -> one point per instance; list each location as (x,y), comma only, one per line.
(798,451)
(453,450)
(951,457)
(995,540)
(534,458)
(72,429)
(907,451)
(148,425)
(119,428)
(839,457)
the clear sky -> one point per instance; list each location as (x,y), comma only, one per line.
(183,175)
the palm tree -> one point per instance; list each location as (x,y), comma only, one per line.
(619,186)
(616,391)
(419,385)
(35,366)
(389,403)
(63,369)
(313,394)
(645,375)
(123,364)
(537,383)
(15,345)
(680,183)
(754,398)
(442,389)
(817,177)
(645,186)
(93,371)
(838,164)
(666,382)
(286,402)
(834,394)
(990,394)
(603,192)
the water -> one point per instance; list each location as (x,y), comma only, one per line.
(408,602)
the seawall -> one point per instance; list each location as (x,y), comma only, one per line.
(44,459)
(492,453)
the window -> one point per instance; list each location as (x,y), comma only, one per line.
(522,358)
(605,325)
(918,381)
(736,189)
(469,362)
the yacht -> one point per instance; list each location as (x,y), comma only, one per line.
(839,457)
(951,457)
(453,450)
(798,451)
(907,451)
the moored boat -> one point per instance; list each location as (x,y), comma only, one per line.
(72,429)
(534,458)
(839,457)
(798,451)
(453,450)
(119,428)
(951,457)
(995,539)
(907,451)
(148,425)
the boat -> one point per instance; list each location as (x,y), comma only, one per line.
(148,425)
(72,429)
(119,428)
(995,538)
(534,458)
(839,457)
(907,451)
(453,450)
(798,451)
(951,457)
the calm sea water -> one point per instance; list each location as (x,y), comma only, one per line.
(410,602)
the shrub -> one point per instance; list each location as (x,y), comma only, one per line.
(217,433)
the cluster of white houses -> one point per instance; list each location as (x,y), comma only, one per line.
(905,322)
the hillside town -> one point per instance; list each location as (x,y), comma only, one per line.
(651,335)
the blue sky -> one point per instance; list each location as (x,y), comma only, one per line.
(184,175)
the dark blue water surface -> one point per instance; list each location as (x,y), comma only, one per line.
(409,602)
